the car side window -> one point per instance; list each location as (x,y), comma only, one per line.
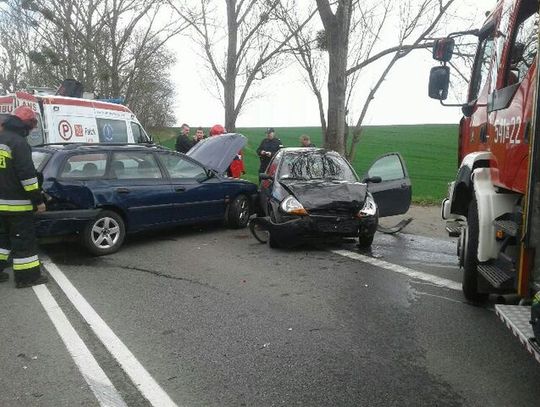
(112,131)
(389,168)
(179,167)
(84,166)
(135,165)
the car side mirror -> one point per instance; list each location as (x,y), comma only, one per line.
(372,180)
(439,81)
(265,176)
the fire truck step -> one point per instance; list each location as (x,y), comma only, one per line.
(454,227)
(516,318)
(496,276)
(509,227)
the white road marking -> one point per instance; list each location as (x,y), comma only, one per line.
(94,375)
(146,384)
(438,281)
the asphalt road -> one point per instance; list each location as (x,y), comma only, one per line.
(217,319)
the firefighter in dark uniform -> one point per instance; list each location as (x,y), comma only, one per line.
(20,195)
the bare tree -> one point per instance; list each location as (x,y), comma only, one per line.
(351,35)
(411,21)
(253,40)
(114,47)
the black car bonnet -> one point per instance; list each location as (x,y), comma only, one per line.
(326,194)
(218,152)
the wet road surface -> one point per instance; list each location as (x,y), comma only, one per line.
(218,319)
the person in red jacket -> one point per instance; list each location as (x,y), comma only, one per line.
(20,195)
(236,169)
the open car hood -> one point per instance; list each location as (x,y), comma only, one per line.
(323,194)
(218,152)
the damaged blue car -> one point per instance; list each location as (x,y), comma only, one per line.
(101,192)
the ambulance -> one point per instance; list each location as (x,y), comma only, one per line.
(63,119)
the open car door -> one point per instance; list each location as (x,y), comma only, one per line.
(393,193)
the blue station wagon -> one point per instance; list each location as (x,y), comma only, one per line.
(102,192)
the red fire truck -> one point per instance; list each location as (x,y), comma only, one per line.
(493,204)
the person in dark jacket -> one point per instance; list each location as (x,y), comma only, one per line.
(267,149)
(183,141)
(20,195)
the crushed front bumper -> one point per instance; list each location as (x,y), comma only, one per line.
(304,227)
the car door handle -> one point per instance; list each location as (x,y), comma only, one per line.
(179,189)
(404,185)
(123,190)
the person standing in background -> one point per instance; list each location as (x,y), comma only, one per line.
(305,141)
(268,148)
(183,141)
(199,135)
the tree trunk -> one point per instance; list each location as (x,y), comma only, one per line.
(337,34)
(229,88)
(337,86)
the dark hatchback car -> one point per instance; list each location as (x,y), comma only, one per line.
(313,192)
(102,192)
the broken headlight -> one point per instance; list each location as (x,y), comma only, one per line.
(369,208)
(291,206)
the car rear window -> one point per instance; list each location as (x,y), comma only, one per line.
(84,166)
(40,158)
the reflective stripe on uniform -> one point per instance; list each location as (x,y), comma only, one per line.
(16,205)
(26,263)
(5,151)
(4,254)
(30,184)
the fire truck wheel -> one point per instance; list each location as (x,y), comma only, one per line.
(470,258)
(104,234)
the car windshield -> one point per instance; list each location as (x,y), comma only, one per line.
(39,158)
(316,165)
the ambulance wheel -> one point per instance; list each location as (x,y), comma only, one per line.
(104,234)
(470,256)
(238,212)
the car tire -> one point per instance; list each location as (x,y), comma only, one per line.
(470,256)
(273,243)
(365,241)
(238,212)
(104,234)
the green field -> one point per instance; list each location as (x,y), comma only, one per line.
(430,152)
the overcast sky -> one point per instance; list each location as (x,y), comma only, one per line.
(402,99)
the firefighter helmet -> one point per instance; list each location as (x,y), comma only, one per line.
(217,129)
(27,116)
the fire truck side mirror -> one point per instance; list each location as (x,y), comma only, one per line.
(439,81)
(443,49)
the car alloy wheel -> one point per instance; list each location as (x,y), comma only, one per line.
(105,232)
